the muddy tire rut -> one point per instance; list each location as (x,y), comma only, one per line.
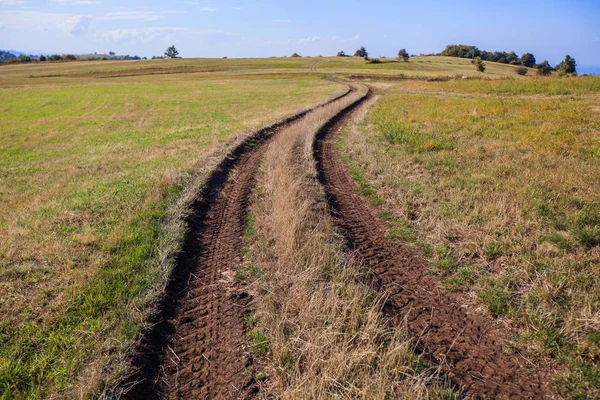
(468,346)
(196,346)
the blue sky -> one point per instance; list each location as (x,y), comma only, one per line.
(243,28)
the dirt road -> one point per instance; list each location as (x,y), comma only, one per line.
(196,347)
(467,345)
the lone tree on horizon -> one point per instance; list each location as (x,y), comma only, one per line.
(403,54)
(362,52)
(171,52)
(567,66)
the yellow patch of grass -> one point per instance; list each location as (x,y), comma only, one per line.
(505,204)
(320,328)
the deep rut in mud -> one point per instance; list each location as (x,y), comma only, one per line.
(467,346)
(196,345)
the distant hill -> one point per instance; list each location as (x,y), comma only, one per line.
(7,55)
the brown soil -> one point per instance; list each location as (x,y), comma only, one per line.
(196,347)
(469,346)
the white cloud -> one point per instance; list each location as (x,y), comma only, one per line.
(131,15)
(144,35)
(196,3)
(309,40)
(276,42)
(344,40)
(282,21)
(77,25)
(74,2)
(12,2)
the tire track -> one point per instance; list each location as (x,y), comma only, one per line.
(195,347)
(468,346)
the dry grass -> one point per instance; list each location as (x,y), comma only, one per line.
(502,194)
(92,171)
(318,326)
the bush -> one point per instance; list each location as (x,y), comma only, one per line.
(342,54)
(522,71)
(69,57)
(375,61)
(479,64)
(515,62)
(544,68)
(42,58)
(296,55)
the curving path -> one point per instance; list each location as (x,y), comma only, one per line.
(468,346)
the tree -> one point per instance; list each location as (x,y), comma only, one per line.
(342,54)
(296,55)
(567,66)
(362,52)
(479,64)
(171,52)
(512,56)
(528,60)
(403,54)
(42,58)
(544,68)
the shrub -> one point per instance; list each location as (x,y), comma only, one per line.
(69,57)
(42,58)
(479,64)
(544,68)
(521,71)
(342,54)
(515,62)
(375,61)
(296,55)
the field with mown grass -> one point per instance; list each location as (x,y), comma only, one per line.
(93,169)
(498,184)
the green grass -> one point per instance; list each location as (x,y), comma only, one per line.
(91,169)
(498,183)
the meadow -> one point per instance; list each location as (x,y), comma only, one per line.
(494,178)
(91,170)
(497,183)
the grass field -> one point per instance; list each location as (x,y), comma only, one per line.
(496,180)
(498,184)
(90,169)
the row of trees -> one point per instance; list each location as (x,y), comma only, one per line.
(565,67)
(503,57)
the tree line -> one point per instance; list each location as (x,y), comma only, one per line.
(567,66)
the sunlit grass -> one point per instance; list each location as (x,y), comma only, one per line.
(90,168)
(503,195)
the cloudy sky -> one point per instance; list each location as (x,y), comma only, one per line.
(245,28)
